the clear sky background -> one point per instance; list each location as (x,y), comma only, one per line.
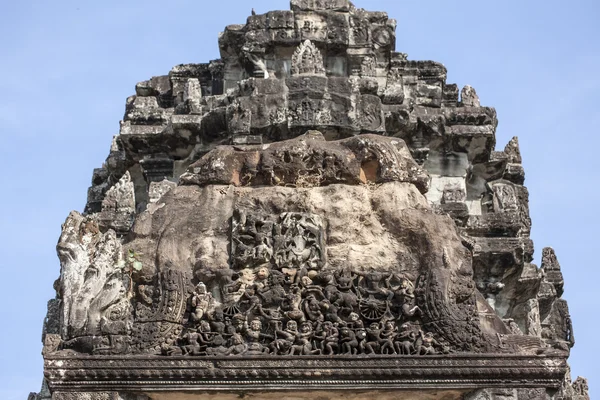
(67,67)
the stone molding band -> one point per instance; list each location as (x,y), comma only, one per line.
(270,373)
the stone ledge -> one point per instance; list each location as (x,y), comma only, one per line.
(470,371)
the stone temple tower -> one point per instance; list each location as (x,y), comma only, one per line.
(313,215)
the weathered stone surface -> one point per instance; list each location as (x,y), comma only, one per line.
(469,97)
(308,161)
(341,222)
(93,284)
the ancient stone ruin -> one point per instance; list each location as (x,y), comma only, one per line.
(312,215)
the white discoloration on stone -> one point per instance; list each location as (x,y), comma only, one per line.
(91,278)
(439,183)
(121,197)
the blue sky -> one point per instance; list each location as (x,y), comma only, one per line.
(67,67)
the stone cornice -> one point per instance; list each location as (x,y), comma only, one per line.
(154,373)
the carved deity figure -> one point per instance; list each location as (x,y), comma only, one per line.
(307,60)
(202,302)
(405,294)
(375,282)
(299,242)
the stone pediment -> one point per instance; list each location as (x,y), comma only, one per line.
(320,213)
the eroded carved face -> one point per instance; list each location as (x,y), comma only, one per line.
(236,339)
(262,273)
(291,326)
(201,288)
(256,325)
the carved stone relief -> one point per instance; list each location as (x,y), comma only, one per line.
(93,286)
(264,282)
(307,60)
(292,240)
(302,311)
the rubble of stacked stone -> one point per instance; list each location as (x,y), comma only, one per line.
(311,193)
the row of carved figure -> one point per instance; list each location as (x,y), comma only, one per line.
(328,338)
(366,312)
(307,295)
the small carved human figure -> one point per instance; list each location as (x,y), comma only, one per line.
(375,283)
(428,343)
(388,335)
(273,316)
(349,341)
(331,311)
(405,293)
(238,347)
(217,321)
(312,309)
(361,337)
(250,300)
(201,301)
(274,293)
(293,303)
(284,339)
(405,340)
(330,344)
(354,321)
(192,346)
(254,336)
(372,345)
(303,343)
(261,278)
(345,280)
(238,322)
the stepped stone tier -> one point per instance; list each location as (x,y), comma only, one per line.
(313,215)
